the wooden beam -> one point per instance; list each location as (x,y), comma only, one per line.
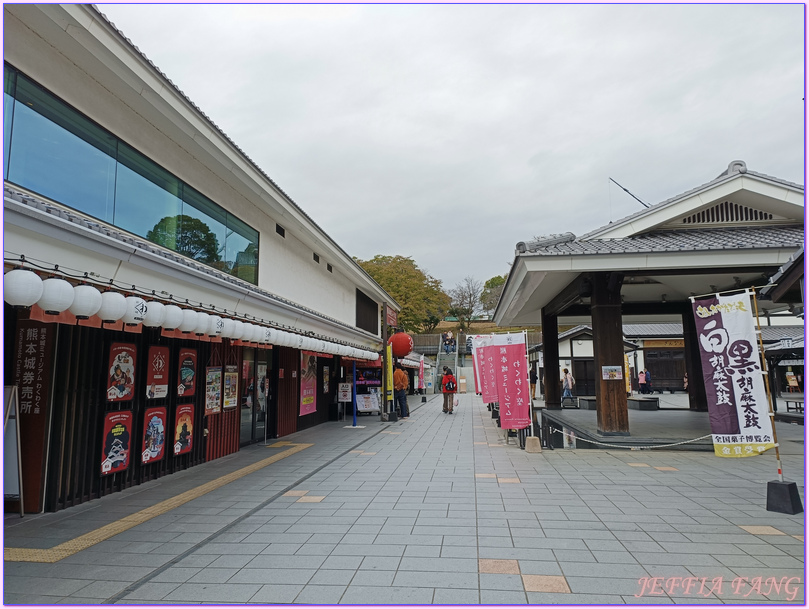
(550,356)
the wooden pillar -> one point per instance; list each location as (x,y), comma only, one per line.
(550,355)
(608,339)
(697,400)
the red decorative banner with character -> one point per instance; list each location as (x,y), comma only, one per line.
(121,379)
(512,380)
(117,438)
(183,429)
(485,359)
(157,373)
(154,434)
(188,372)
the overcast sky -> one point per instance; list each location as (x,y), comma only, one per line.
(448,133)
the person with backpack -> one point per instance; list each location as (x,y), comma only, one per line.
(568,382)
(449,386)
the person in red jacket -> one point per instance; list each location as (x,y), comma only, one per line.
(449,386)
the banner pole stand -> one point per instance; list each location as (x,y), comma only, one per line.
(782,497)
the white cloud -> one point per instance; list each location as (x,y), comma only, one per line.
(448,133)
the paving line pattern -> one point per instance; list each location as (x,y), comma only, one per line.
(68,548)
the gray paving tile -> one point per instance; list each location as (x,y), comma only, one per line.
(433,579)
(439,565)
(154,591)
(321,595)
(218,593)
(372,595)
(503,597)
(373,578)
(456,596)
(603,585)
(277,593)
(501,581)
(272,576)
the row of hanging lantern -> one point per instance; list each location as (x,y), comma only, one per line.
(24,288)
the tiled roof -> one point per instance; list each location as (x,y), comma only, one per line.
(706,239)
(653,330)
(664,330)
(730,173)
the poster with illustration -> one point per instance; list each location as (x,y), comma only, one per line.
(213,390)
(325,379)
(188,372)
(121,373)
(157,373)
(308,383)
(154,434)
(183,429)
(231,390)
(117,436)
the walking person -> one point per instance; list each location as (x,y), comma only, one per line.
(401,382)
(648,381)
(642,381)
(568,382)
(449,387)
(532,378)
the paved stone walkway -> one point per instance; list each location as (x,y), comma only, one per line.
(436,509)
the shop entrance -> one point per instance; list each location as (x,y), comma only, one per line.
(256,396)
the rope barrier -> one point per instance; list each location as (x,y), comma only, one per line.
(559,431)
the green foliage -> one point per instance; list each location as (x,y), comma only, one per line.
(492,290)
(424,303)
(187,236)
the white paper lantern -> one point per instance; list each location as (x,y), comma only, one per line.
(228,326)
(269,335)
(375,357)
(258,334)
(307,343)
(280,338)
(215,326)
(135,310)
(113,307)
(189,323)
(173,317)
(203,322)
(86,301)
(57,296)
(238,329)
(22,288)
(155,314)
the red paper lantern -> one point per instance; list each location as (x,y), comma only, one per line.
(401,344)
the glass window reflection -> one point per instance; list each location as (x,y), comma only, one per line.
(204,225)
(61,155)
(242,250)
(147,199)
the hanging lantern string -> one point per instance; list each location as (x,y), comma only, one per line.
(97,280)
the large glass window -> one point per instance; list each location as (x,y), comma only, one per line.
(242,250)
(9,79)
(54,150)
(204,229)
(147,199)
(59,154)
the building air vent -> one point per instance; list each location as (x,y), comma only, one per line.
(728,213)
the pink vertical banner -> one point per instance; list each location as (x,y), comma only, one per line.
(308,383)
(479,342)
(486,357)
(421,372)
(512,380)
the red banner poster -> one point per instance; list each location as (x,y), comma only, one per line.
(121,379)
(154,434)
(308,384)
(188,372)
(183,429)
(512,380)
(157,373)
(117,438)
